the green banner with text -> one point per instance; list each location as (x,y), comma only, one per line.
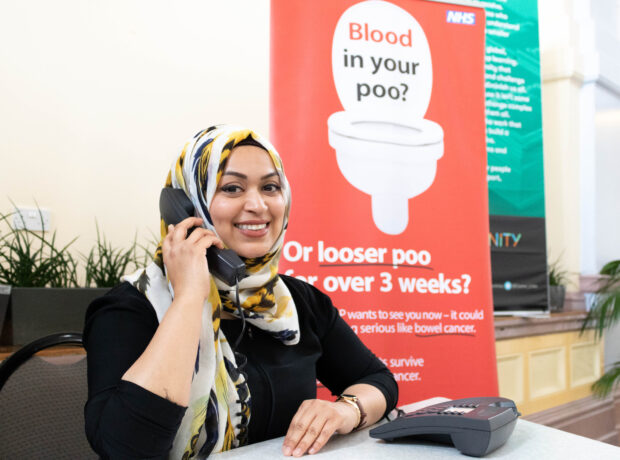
(515,154)
(513,109)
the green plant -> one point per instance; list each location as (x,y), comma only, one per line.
(604,313)
(105,264)
(148,250)
(611,268)
(557,275)
(32,259)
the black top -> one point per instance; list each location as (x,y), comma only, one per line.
(124,420)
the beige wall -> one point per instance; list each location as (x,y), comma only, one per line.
(98,97)
(579,43)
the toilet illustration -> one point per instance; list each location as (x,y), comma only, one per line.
(383,75)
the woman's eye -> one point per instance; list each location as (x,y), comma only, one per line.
(230,188)
(272,188)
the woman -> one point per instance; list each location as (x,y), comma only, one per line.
(163,378)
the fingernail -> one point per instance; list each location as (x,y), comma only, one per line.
(297,452)
(312,451)
(286,451)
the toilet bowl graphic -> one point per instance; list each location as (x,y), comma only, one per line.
(384,146)
(389,160)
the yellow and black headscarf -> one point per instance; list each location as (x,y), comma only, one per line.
(219,399)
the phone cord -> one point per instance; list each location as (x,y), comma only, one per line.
(241,360)
(241,315)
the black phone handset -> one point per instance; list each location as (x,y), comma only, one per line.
(175,206)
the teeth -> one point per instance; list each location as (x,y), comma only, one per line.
(251,227)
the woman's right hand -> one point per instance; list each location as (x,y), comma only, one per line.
(185,258)
(167,364)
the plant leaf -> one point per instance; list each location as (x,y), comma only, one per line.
(608,381)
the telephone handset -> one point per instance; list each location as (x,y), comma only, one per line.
(175,206)
(475,426)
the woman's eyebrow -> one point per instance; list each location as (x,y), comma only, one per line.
(243,176)
(234,173)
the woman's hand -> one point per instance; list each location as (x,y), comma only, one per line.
(167,364)
(185,258)
(315,422)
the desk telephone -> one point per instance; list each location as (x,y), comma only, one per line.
(174,206)
(475,426)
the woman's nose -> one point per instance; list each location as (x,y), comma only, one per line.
(254,201)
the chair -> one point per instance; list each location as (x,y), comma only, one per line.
(42,402)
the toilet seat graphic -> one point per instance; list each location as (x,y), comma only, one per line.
(412,133)
(384,146)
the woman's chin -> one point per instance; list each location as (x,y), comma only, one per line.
(251,248)
(251,252)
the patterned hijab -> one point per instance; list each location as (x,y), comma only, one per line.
(219,408)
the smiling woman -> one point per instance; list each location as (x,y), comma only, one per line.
(248,207)
(164,379)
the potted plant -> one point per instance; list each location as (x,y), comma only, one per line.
(603,314)
(41,277)
(40,273)
(106,264)
(557,286)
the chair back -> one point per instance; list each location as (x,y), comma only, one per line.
(42,402)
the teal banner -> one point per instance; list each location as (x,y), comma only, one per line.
(513,109)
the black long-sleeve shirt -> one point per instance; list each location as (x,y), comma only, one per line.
(124,420)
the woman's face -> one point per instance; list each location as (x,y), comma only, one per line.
(248,206)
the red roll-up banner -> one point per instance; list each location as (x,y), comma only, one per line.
(377,109)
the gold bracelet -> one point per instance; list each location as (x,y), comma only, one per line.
(354,401)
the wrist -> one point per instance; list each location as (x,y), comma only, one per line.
(356,404)
(352,417)
(188,299)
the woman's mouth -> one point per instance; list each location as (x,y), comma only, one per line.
(251,226)
(253,229)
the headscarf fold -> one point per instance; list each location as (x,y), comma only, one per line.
(219,408)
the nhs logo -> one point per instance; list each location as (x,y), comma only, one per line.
(461,17)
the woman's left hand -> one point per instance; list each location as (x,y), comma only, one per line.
(314,423)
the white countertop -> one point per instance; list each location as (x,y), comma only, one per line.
(528,441)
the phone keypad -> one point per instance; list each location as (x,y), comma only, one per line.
(444,410)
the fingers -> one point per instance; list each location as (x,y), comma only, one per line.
(179,231)
(189,223)
(310,429)
(296,431)
(326,432)
(204,237)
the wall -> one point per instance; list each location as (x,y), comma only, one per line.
(99,97)
(607,124)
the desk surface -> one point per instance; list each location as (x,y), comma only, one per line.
(528,441)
